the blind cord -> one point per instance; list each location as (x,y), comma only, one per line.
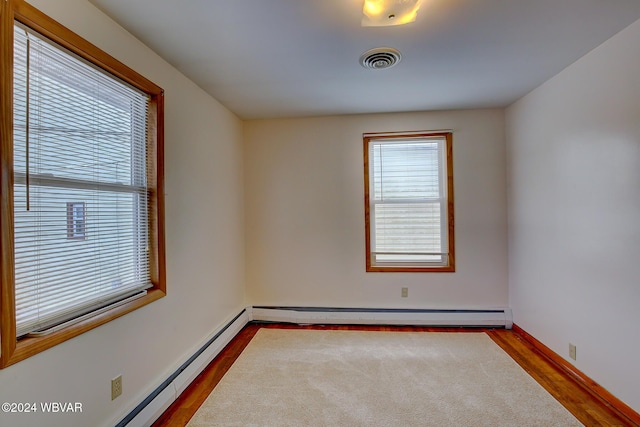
(28,72)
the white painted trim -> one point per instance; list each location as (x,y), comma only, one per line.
(482,317)
(509,318)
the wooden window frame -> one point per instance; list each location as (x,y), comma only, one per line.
(450,266)
(12,349)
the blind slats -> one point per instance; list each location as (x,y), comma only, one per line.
(80,167)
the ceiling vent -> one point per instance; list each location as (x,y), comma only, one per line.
(380,58)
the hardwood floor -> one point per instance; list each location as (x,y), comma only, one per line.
(586,407)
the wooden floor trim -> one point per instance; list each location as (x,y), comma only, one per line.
(595,389)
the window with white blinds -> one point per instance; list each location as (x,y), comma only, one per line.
(409,202)
(80,185)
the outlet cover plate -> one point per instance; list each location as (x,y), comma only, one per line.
(572,351)
(116,387)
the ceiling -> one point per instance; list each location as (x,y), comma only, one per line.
(292,58)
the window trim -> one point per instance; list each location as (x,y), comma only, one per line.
(12,350)
(450,266)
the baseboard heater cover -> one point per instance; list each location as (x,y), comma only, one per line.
(152,407)
(492,317)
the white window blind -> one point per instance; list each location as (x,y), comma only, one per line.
(80,193)
(408,201)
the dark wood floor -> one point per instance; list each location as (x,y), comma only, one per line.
(582,404)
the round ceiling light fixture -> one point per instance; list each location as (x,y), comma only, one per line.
(380,58)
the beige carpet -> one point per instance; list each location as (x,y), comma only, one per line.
(352,378)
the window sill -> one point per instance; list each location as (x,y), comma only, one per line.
(30,346)
(406,269)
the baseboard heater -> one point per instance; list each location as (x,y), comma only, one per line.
(493,317)
(151,407)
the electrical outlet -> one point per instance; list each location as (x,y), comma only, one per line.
(405,292)
(116,387)
(572,351)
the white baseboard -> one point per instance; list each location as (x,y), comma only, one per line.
(500,317)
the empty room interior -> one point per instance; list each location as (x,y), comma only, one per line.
(266,120)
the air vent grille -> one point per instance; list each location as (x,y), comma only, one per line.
(380,58)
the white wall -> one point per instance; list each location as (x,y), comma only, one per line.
(304,205)
(205,253)
(574,213)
